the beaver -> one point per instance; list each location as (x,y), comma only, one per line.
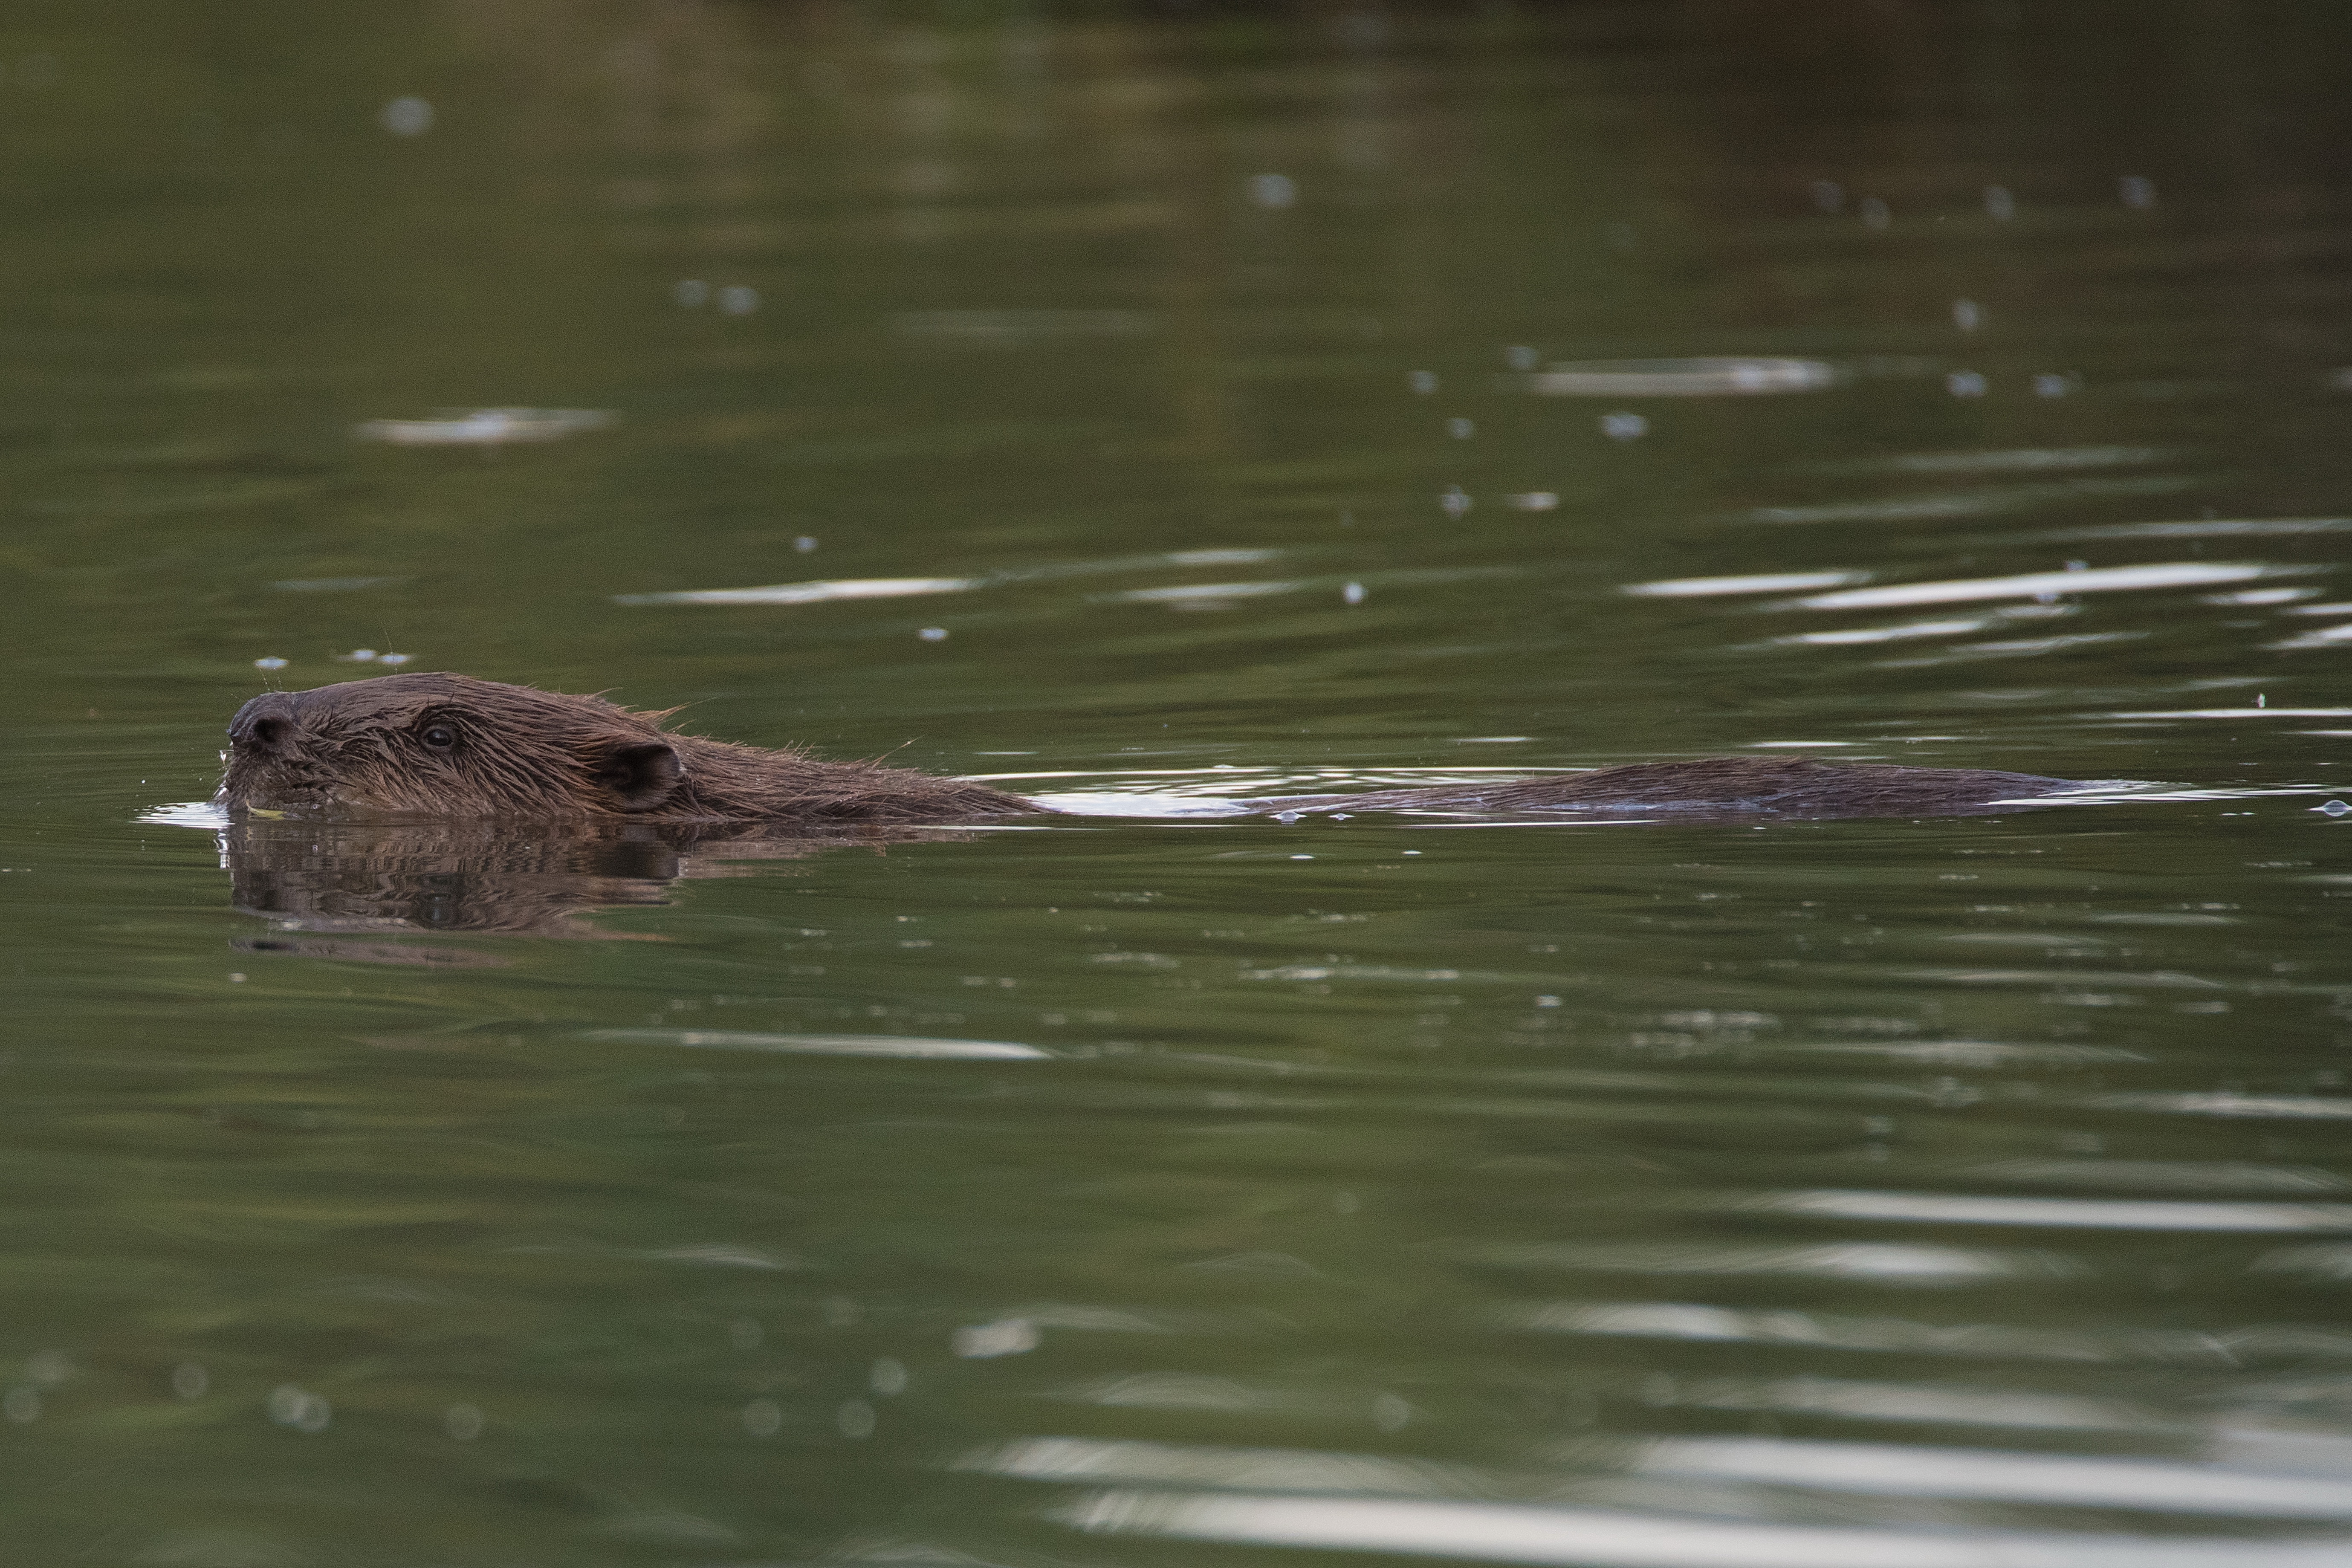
(450,746)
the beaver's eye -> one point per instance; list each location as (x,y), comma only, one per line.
(440,737)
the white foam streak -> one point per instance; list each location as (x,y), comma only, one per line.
(1199,591)
(483,426)
(807,593)
(1958,1209)
(1700,377)
(1885,1262)
(2204,528)
(2009,1478)
(1760,582)
(2030,459)
(207,814)
(827,1044)
(1076,1460)
(2033,584)
(1856,1400)
(2332,636)
(2289,1107)
(1594,1538)
(2234,713)
(1907,630)
(1695,1322)
(1109,803)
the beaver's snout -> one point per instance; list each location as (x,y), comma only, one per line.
(267,724)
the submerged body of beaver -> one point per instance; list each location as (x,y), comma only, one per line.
(450,746)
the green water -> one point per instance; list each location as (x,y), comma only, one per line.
(1156,1189)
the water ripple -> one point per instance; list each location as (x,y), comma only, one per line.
(1598,1538)
(1953,1208)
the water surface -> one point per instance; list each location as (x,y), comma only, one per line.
(1147,408)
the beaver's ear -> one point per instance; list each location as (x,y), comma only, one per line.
(641,774)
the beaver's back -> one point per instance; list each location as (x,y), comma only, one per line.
(1789,786)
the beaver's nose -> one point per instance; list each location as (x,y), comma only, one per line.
(266,724)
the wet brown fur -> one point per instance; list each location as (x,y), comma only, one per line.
(1786,786)
(362,747)
(518,752)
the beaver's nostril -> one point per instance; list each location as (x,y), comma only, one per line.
(266,724)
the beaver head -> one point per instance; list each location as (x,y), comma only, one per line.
(446,745)
(451,746)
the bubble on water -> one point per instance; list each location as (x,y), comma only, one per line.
(690,292)
(358,655)
(1353,594)
(840,1311)
(272,663)
(1453,502)
(804,544)
(190,1380)
(1967,315)
(2048,383)
(1006,1336)
(745,1335)
(1391,1413)
(2334,808)
(933,633)
(1828,196)
(1288,817)
(855,1419)
(763,1418)
(1876,213)
(1518,356)
(394,658)
(1623,426)
(1999,204)
(1275,191)
(1965,383)
(1422,381)
(407,117)
(739,299)
(1547,1001)
(291,1404)
(2138,191)
(463,1421)
(886,1377)
(1535,501)
(48,1366)
(21,1404)
(1461,429)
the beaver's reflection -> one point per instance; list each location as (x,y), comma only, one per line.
(538,880)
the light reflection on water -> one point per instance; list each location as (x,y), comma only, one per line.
(1157,412)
